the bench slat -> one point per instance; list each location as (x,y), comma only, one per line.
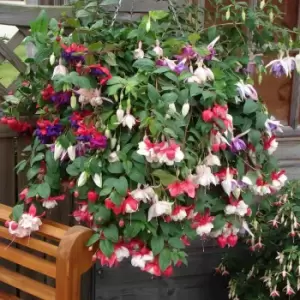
(27,285)
(4,296)
(27,260)
(49,229)
(30,242)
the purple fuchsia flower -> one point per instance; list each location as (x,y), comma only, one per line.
(48,131)
(237,144)
(178,68)
(187,53)
(282,66)
(273,125)
(61,98)
(74,53)
(210,48)
(246,91)
(98,141)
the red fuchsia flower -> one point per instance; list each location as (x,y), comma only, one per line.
(261,187)
(82,214)
(130,205)
(153,268)
(178,213)
(222,241)
(220,111)
(74,53)
(207,115)
(51,202)
(77,117)
(185,240)
(16,125)
(217,141)
(141,257)
(48,131)
(92,196)
(117,210)
(121,251)
(23,194)
(232,240)
(221,175)
(102,73)
(203,223)
(179,187)
(278,179)
(107,261)
(271,145)
(47,92)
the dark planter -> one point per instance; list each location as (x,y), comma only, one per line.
(195,282)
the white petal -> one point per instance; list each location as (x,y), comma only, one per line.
(72,152)
(97,180)
(58,149)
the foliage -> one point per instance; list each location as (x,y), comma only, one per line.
(271,268)
(154,151)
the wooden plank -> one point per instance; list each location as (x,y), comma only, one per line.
(30,242)
(10,55)
(4,296)
(27,260)
(27,285)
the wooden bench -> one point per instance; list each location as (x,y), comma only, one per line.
(71,259)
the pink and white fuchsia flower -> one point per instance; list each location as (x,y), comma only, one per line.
(27,224)
(159,208)
(204,176)
(239,208)
(140,258)
(203,224)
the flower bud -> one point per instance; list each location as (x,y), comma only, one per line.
(73,101)
(243,15)
(227,16)
(262,4)
(97,178)
(185,109)
(120,114)
(52,59)
(158,50)
(113,142)
(82,179)
(107,133)
(148,25)
(271,16)
(172,108)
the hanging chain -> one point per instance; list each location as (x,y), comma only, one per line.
(132,8)
(175,16)
(116,13)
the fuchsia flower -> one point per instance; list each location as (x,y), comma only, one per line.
(102,73)
(130,205)
(51,202)
(278,179)
(73,53)
(17,125)
(179,213)
(203,223)
(181,187)
(159,208)
(271,144)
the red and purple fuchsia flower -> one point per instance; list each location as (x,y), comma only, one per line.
(48,131)
(74,53)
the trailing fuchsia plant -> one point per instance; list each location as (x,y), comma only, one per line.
(159,142)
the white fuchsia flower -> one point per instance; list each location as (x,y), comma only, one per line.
(240,209)
(246,91)
(201,73)
(128,120)
(278,180)
(49,204)
(204,230)
(159,208)
(273,125)
(212,160)
(145,194)
(121,253)
(16,230)
(60,69)
(139,260)
(113,157)
(282,66)
(158,50)
(204,176)
(139,53)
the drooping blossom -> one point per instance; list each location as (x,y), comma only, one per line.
(239,208)
(61,98)
(106,261)
(271,144)
(144,193)
(130,205)
(282,66)
(48,131)
(82,214)
(60,69)
(246,91)
(176,66)
(139,53)
(237,144)
(74,53)
(89,96)
(272,126)
(17,125)
(204,176)
(47,92)
(179,213)
(278,179)
(274,292)
(157,49)
(187,53)
(203,223)
(159,208)
(261,187)
(211,49)
(180,187)
(100,72)
(141,256)
(212,160)
(51,202)
(128,120)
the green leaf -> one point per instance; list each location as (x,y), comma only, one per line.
(116,198)
(127,166)
(93,239)
(195,90)
(112,233)
(106,247)
(121,186)
(144,64)
(82,13)
(37,158)
(157,244)
(115,168)
(194,38)
(102,214)
(170,97)
(17,212)
(21,166)
(250,107)
(105,191)
(219,222)
(261,119)
(110,59)
(132,229)
(95,46)
(136,176)
(153,94)
(254,136)
(138,158)
(164,259)
(164,177)
(44,190)
(32,172)
(176,243)
(97,25)
(171,76)
(158,14)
